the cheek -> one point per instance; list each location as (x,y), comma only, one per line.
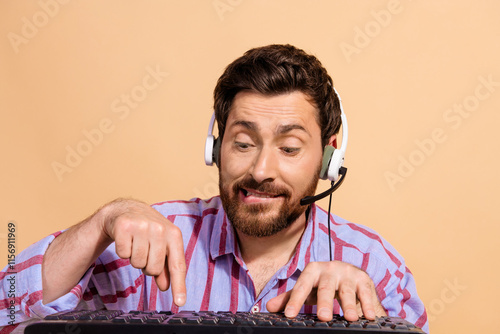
(298,174)
(295,175)
(232,166)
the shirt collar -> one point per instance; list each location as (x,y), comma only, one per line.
(303,250)
(223,239)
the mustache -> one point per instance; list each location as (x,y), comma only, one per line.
(264,187)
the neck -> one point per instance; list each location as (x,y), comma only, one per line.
(279,247)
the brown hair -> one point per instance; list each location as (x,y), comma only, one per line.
(278,69)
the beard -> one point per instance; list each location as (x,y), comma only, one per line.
(253,219)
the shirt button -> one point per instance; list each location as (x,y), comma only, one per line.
(255,309)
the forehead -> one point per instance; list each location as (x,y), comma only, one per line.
(272,111)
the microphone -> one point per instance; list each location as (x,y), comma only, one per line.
(311,199)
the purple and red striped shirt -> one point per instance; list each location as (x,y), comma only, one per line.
(217,277)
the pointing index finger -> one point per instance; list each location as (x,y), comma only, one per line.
(176,263)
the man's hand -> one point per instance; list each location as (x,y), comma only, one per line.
(150,241)
(322,282)
(141,234)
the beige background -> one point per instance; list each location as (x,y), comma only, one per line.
(420,173)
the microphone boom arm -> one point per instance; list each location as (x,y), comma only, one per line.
(311,199)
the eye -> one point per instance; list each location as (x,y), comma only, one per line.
(242,146)
(290,150)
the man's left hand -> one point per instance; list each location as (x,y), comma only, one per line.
(322,282)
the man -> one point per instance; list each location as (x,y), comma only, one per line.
(254,248)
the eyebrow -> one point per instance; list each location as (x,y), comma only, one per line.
(247,125)
(281,129)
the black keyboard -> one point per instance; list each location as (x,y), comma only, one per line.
(190,322)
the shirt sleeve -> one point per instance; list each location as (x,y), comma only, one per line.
(21,287)
(398,294)
(394,282)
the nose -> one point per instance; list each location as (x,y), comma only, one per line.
(265,166)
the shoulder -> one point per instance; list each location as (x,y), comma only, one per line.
(354,240)
(195,207)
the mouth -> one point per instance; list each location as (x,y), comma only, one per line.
(254,196)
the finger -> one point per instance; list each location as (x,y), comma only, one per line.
(325,295)
(379,309)
(156,257)
(140,249)
(163,280)
(366,294)
(300,292)
(278,303)
(346,295)
(123,244)
(177,268)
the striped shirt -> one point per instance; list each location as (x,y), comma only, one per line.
(217,277)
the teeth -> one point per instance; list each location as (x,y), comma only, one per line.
(249,193)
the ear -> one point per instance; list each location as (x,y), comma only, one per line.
(333,141)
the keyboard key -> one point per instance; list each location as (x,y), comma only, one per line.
(355,324)
(399,327)
(89,316)
(176,321)
(69,317)
(338,324)
(103,317)
(226,321)
(193,320)
(298,324)
(372,325)
(209,321)
(321,324)
(52,317)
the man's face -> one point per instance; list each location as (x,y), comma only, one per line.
(270,158)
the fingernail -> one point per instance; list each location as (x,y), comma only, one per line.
(180,299)
(352,314)
(290,311)
(324,313)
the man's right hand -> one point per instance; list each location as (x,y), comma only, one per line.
(141,234)
(150,241)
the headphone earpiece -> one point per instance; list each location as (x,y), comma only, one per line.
(336,157)
(327,156)
(336,162)
(215,154)
(212,145)
(212,148)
